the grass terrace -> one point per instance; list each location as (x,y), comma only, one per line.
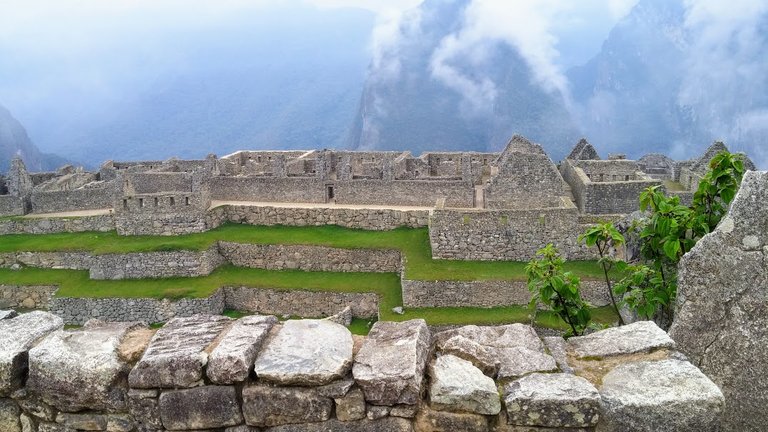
(412,242)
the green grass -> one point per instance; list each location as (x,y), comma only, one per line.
(413,243)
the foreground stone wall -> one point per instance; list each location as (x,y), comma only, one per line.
(484,293)
(101,223)
(26,296)
(721,319)
(369,219)
(505,235)
(156,264)
(213,373)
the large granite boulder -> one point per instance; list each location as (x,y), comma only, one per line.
(204,407)
(177,353)
(457,385)
(552,400)
(82,369)
(505,352)
(638,337)
(721,319)
(232,359)
(306,352)
(17,336)
(265,406)
(659,396)
(390,365)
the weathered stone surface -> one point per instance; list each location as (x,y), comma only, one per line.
(120,423)
(519,361)
(336,389)
(505,336)
(457,385)
(390,365)
(17,336)
(9,416)
(275,406)
(641,336)
(552,400)
(8,314)
(204,407)
(375,412)
(306,352)
(33,405)
(508,351)
(232,359)
(482,357)
(53,427)
(405,411)
(241,428)
(389,424)
(144,407)
(556,346)
(428,420)
(660,396)
(75,370)
(176,355)
(87,421)
(351,406)
(721,319)
(343,317)
(28,424)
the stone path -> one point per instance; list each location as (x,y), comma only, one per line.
(77,213)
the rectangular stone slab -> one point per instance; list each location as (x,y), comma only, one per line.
(390,365)
(552,400)
(81,369)
(640,336)
(232,359)
(176,354)
(275,406)
(17,336)
(388,424)
(204,407)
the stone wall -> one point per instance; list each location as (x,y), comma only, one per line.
(156,264)
(615,197)
(11,205)
(51,260)
(208,372)
(72,200)
(505,235)
(268,189)
(483,293)
(300,303)
(101,223)
(161,224)
(81,309)
(310,258)
(26,296)
(425,193)
(369,219)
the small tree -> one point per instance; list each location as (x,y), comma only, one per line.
(716,190)
(604,236)
(558,290)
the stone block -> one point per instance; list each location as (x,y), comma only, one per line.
(232,359)
(176,354)
(388,424)
(204,407)
(81,369)
(519,361)
(552,400)
(265,406)
(351,406)
(9,416)
(306,352)
(556,346)
(481,356)
(144,407)
(336,389)
(86,422)
(17,336)
(428,420)
(660,396)
(390,365)
(457,385)
(640,336)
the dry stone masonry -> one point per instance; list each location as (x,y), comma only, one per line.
(212,373)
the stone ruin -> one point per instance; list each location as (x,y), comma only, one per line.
(213,373)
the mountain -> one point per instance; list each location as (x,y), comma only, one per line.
(404,106)
(282,78)
(664,82)
(15,141)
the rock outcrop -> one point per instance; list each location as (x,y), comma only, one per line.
(17,336)
(721,319)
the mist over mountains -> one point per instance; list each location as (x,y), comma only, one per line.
(671,76)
